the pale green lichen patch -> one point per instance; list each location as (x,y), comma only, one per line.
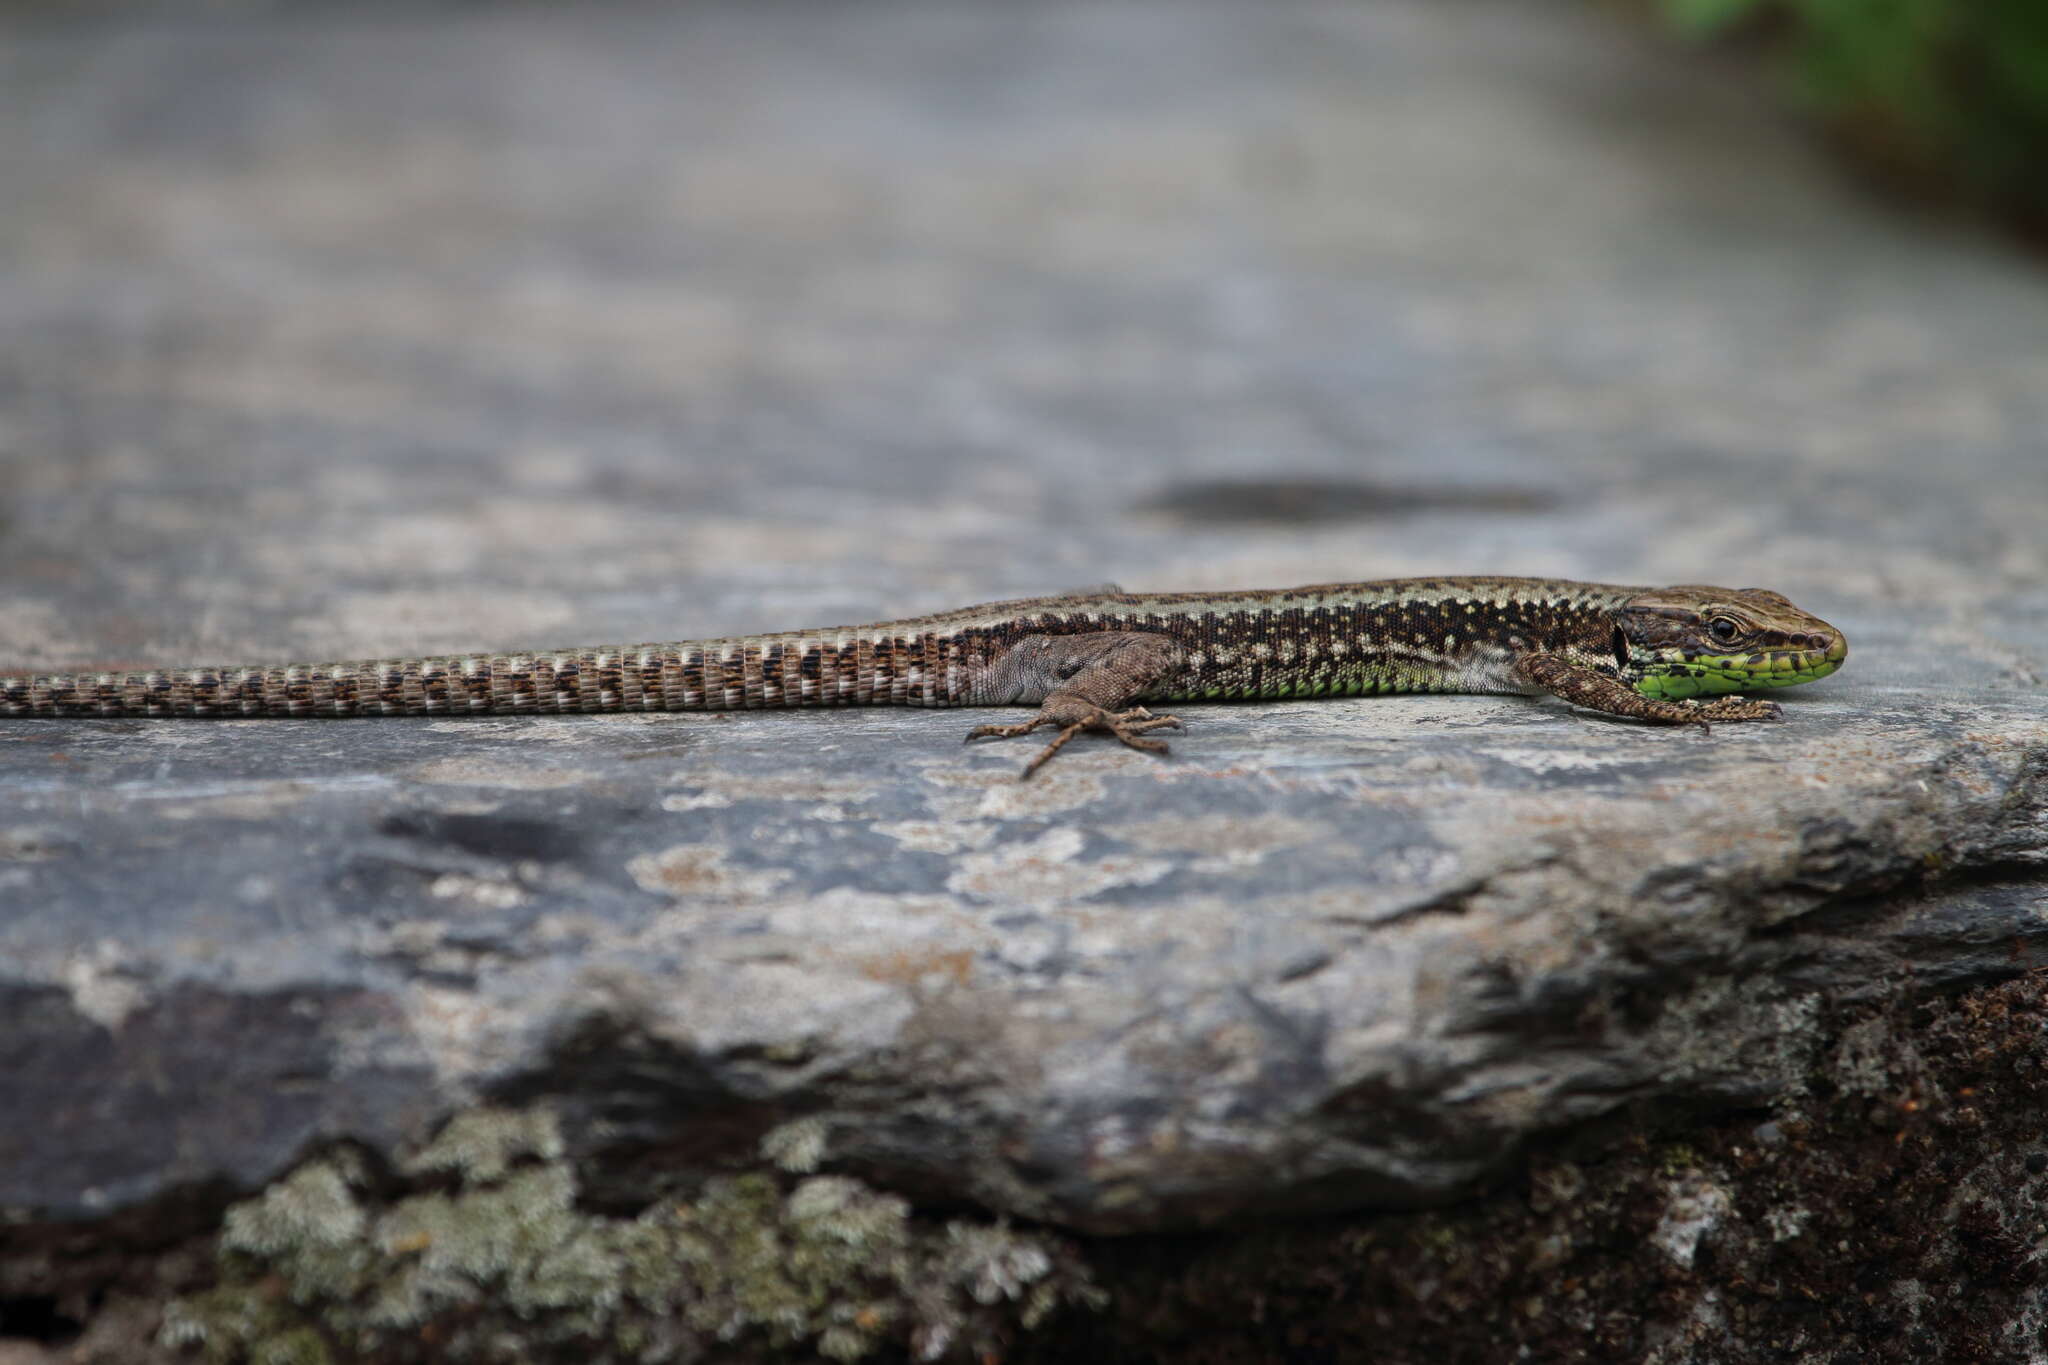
(487,1256)
(798,1146)
(481,1145)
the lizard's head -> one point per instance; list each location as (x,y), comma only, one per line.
(1693,641)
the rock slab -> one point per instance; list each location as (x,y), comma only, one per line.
(339,334)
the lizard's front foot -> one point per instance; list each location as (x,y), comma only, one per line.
(1740,708)
(1701,713)
(1071,716)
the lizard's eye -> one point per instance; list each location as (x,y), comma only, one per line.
(1724,630)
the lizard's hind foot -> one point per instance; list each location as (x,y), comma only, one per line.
(1071,719)
(1088,682)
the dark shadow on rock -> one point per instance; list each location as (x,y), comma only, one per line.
(502,837)
(1308,500)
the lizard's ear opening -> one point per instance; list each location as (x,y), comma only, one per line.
(1620,648)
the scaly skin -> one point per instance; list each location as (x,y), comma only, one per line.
(1084,659)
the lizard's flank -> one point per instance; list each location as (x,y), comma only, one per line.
(1669,656)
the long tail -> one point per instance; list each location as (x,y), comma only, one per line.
(856,667)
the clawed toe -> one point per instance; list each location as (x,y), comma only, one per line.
(1132,732)
(1004,731)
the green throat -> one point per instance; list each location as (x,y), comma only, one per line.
(1709,675)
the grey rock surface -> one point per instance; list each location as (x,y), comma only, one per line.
(329,334)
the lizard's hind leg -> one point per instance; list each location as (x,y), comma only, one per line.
(1084,682)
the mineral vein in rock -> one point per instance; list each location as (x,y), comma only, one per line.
(1663,655)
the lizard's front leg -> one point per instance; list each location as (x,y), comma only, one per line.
(1582,686)
(1082,682)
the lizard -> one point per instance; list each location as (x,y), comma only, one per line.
(1671,656)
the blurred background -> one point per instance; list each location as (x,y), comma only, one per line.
(1943,99)
(335,329)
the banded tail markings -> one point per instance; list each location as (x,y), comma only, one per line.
(863,669)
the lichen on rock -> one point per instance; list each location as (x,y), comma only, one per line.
(477,1249)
